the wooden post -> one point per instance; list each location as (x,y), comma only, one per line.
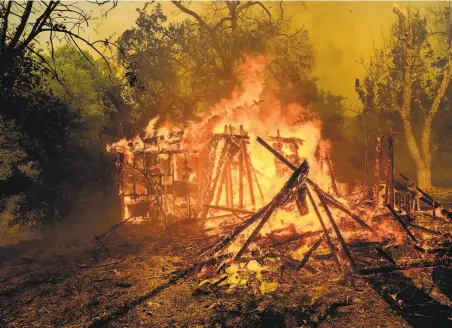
(241,162)
(366,165)
(230,186)
(223,182)
(377,171)
(211,189)
(389,195)
(187,183)
(333,181)
(227,184)
(433,209)
(249,177)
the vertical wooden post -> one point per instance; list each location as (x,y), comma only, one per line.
(230,186)
(389,195)
(255,177)
(433,209)
(187,184)
(366,165)
(333,181)
(241,163)
(249,176)
(378,171)
(223,178)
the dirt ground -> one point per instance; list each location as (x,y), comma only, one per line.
(138,280)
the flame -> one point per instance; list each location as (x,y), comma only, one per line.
(254,105)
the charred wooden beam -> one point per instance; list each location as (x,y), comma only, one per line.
(385,255)
(400,221)
(377,170)
(230,209)
(308,254)
(325,230)
(433,232)
(444,262)
(338,234)
(333,180)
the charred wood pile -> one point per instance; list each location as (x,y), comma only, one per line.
(354,246)
(382,230)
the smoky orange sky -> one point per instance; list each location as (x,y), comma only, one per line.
(342,32)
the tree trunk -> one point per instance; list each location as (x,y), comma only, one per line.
(424,175)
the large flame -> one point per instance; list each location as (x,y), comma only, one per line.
(254,105)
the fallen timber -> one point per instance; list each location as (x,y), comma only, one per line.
(418,264)
(229,209)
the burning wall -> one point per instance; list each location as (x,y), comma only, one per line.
(253,105)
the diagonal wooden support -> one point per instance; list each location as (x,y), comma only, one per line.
(255,177)
(402,224)
(325,230)
(308,254)
(333,180)
(338,233)
(281,198)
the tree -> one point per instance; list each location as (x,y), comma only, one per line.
(50,164)
(21,22)
(409,77)
(179,69)
(87,88)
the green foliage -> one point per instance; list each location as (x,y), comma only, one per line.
(85,86)
(48,167)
